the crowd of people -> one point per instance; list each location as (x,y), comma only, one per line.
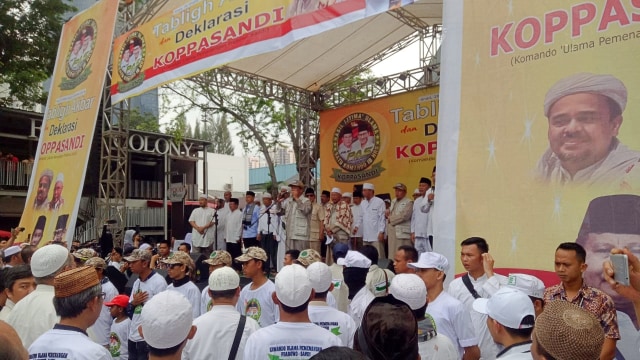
(302,300)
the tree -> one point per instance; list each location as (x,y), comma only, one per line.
(219,135)
(197,134)
(260,121)
(29,35)
(143,122)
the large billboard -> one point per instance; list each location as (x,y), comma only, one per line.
(74,99)
(383,141)
(200,35)
(541,100)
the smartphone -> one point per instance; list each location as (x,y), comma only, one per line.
(621,268)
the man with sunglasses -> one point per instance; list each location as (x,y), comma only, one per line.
(180,271)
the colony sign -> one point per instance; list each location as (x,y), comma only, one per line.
(160,146)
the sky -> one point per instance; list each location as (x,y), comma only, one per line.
(407,59)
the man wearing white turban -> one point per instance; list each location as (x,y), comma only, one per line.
(585,114)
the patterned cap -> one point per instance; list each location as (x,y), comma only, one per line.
(96,262)
(253,252)
(308,257)
(219,257)
(75,281)
(179,257)
(138,254)
(566,331)
(84,254)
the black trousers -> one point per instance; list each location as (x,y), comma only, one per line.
(235,251)
(270,246)
(138,350)
(249,242)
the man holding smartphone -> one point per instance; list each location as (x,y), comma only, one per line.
(612,222)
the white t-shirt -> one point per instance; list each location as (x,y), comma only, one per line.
(216,331)
(154,285)
(99,331)
(359,304)
(64,343)
(116,264)
(30,324)
(485,288)
(517,352)
(258,304)
(453,321)
(192,293)
(286,340)
(337,322)
(202,216)
(118,343)
(205,301)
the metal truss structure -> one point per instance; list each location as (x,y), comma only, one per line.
(114,158)
(338,92)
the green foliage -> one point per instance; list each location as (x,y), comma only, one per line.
(143,122)
(29,35)
(177,128)
(219,135)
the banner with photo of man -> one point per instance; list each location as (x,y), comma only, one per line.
(74,99)
(384,141)
(200,35)
(541,145)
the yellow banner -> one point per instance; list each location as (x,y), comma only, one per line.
(549,101)
(384,141)
(202,34)
(56,185)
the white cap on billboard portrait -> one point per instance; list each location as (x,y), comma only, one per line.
(599,84)
(368,186)
(336,190)
(266,195)
(60,177)
(347,194)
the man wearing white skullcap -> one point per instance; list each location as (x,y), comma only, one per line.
(585,115)
(46,263)
(57,201)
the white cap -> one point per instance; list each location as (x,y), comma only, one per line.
(599,84)
(355,259)
(347,194)
(11,250)
(166,319)
(48,259)
(528,284)
(144,246)
(320,276)
(416,191)
(224,278)
(368,186)
(60,177)
(336,190)
(293,287)
(507,306)
(431,260)
(267,195)
(410,289)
